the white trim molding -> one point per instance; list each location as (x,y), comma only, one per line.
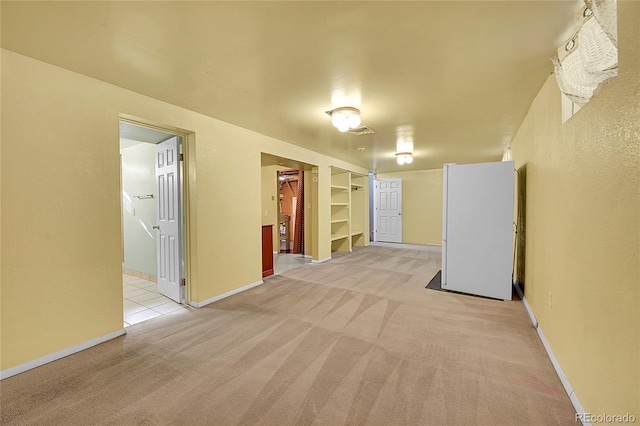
(556,364)
(58,355)
(321,260)
(225,295)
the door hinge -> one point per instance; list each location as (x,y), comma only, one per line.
(181,157)
(183,282)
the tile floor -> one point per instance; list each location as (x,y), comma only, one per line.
(142,301)
(284,262)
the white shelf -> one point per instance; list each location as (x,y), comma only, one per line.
(354,233)
(339,220)
(335,237)
(356,185)
(339,204)
(339,187)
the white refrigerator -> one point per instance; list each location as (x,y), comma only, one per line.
(477,229)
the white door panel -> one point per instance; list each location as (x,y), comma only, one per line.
(168,227)
(388,210)
(478,229)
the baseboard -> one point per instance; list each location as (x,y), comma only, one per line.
(532,317)
(138,274)
(225,295)
(425,247)
(556,364)
(321,260)
(308,256)
(58,355)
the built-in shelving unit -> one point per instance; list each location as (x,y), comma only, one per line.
(340,199)
(349,214)
(359,210)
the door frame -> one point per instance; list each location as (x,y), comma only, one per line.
(186,170)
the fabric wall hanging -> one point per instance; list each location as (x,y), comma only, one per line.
(590,57)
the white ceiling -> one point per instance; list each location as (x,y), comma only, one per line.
(458,76)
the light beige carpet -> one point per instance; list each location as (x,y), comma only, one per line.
(357,340)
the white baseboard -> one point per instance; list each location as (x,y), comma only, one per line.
(321,260)
(532,317)
(225,295)
(308,256)
(57,355)
(425,247)
(556,364)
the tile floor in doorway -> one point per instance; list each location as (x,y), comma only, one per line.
(142,301)
(284,262)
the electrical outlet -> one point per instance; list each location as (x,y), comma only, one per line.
(550,300)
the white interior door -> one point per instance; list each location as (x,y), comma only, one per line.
(388,210)
(168,225)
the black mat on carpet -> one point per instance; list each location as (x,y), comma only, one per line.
(435,283)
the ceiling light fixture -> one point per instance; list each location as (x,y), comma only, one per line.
(404,158)
(345,118)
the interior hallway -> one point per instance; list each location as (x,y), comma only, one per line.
(356,340)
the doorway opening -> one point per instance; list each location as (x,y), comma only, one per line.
(152,222)
(288,197)
(291,207)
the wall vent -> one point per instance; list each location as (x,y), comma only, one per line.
(363,130)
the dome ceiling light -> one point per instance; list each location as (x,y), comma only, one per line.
(345,118)
(404,158)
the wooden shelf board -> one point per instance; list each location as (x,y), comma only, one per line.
(339,220)
(357,185)
(335,237)
(354,233)
(339,204)
(339,187)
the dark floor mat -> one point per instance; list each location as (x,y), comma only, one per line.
(435,283)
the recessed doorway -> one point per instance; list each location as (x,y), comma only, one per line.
(152,225)
(288,195)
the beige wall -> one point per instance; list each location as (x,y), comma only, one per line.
(421,205)
(582,233)
(62,253)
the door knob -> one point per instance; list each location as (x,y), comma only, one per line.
(156,227)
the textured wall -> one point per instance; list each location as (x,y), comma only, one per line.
(62,253)
(421,205)
(583,217)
